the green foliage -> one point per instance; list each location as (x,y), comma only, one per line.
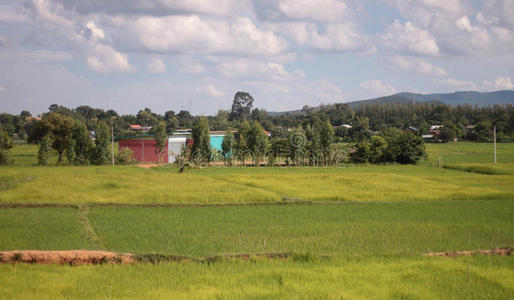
(241,106)
(201,149)
(257,142)
(101,152)
(60,127)
(227,146)
(326,136)
(297,145)
(313,145)
(6,145)
(243,135)
(125,156)
(161,139)
(44,150)
(447,134)
(82,144)
(362,154)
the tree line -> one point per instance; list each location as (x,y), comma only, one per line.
(373,128)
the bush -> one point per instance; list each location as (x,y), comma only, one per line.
(125,156)
(5,146)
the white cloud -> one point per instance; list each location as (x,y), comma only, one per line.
(209,91)
(2,89)
(192,34)
(156,7)
(500,83)
(47,56)
(246,68)
(11,14)
(335,37)
(156,65)
(320,10)
(87,40)
(423,12)
(409,39)
(377,86)
(456,84)
(95,32)
(417,65)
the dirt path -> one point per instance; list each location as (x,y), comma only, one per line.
(71,257)
(92,237)
(496,251)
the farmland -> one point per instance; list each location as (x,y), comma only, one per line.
(364,228)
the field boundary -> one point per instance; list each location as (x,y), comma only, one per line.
(91,236)
(285,201)
(93,257)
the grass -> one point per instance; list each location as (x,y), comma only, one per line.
(41,229)
(390,183)
(468,152)
(123,184)
(363,230)
(390,216)
(348,231)
(421,278)
(133,185)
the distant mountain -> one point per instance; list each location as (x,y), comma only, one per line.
(472,98)
(457,98)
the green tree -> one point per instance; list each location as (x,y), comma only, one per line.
(242,147)
(258,142)
(362,154)
(241,106)
(161,138)
(326,138)
(227,146)
(6,145)
(45,146)
(201,149)
(447,134)
(101,151)
(297,145)
(60,127)
(313,145)
(412,148)
(82,143)
(378,149)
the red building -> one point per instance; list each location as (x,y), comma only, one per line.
(143,148)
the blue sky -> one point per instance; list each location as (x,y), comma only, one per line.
(196,54)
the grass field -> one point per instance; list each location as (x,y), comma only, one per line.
(347,231)
(426,278)
(367,245)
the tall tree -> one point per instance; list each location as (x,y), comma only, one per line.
(297,144)
(5,146)
(326,136)
(101,152)
(60,127)
(227,146)
(161,138)
(81,143)
(242,148)
(45,145)
(241,106)
(201,149)
(313,145)
(257,142)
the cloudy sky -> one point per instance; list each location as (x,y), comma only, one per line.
(195,54)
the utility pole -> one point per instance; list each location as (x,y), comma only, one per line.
(494,132)
(112,141)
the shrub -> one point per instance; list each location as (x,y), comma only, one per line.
(125,156)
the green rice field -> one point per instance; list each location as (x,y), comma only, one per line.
(360,232)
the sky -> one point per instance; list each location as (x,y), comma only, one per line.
(196,54)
